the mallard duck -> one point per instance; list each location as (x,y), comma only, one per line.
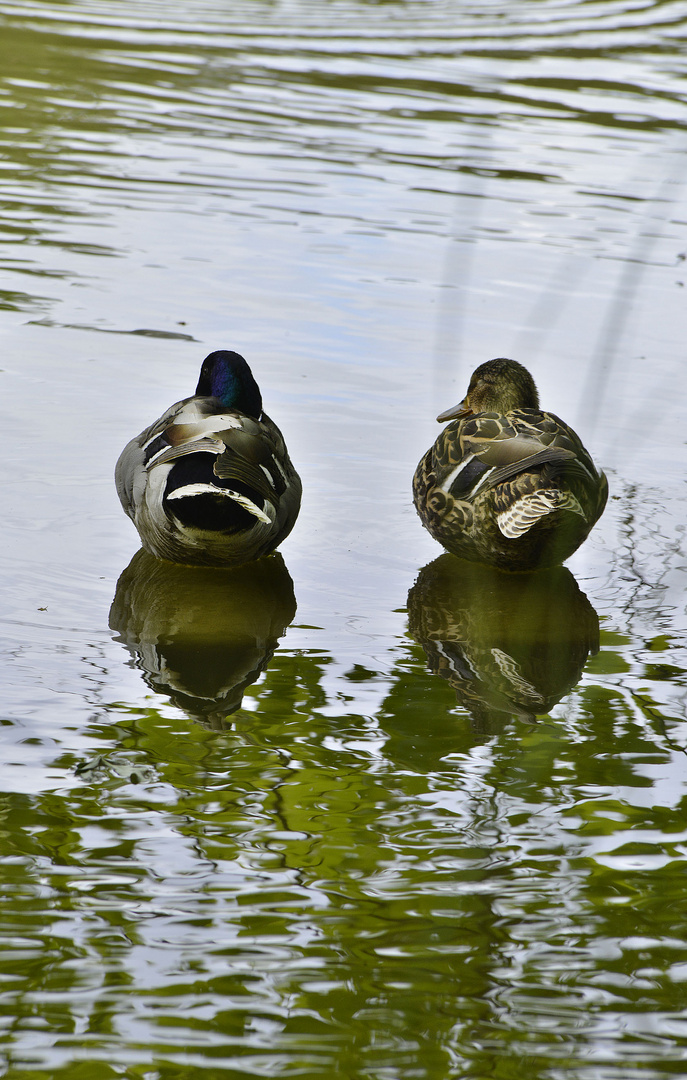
(506,483)
(211,483)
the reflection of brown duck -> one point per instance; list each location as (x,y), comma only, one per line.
(509,645)
(202,635)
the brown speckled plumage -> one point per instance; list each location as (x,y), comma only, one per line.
(506,483)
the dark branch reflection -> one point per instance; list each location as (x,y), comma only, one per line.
(199,634)
(508,644)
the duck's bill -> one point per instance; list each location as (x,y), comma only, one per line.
(456,413)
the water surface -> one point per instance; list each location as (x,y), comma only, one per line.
(274,831)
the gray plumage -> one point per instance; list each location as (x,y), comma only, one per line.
(211,483)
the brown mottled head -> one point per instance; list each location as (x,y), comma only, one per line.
(496,386)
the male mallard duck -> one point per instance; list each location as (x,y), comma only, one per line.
(506,483)
(210,483)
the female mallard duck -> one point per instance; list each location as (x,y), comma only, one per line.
(506,483)
(210,483)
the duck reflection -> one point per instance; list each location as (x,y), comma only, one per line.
(200,634)
(508,644)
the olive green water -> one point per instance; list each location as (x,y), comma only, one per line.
(358,811)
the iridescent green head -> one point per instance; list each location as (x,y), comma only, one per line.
(226,375)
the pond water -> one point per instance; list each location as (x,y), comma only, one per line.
(254,824)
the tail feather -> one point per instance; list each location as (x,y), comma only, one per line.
(190,490)
(527,511)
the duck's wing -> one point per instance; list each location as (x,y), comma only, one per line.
(131,470)
(255,455)
(489,449)
(250,455)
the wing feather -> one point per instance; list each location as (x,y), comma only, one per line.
(528,510)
